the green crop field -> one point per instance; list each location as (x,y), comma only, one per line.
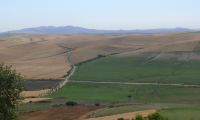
(181,113)
(91,94)
(120,93)
(142,68)
(189,95)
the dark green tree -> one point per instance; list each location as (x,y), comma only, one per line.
(11,85)
(71,103)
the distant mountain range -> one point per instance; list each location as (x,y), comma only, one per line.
(81,30)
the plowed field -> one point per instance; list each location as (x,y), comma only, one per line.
(61,113)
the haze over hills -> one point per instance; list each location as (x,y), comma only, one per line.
(72,29)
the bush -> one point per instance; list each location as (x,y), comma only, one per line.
(156,116)
(71,103)
(138,117)
(120,119)
(96,104)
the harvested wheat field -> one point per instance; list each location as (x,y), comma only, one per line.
(34,93)
(131,44)
(130,115)
(34,58)
(61,113)
(34,100)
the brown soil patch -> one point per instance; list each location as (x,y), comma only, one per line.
(125,115)
(61,113)
(34,93)
(34,99)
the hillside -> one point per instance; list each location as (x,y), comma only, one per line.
(38,56)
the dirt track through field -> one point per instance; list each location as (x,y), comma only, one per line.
(125,115)
(67,59)
(128,83)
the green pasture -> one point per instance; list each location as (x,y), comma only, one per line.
(140,68)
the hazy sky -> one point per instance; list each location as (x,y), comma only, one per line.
(100,14)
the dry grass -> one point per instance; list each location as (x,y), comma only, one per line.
(34,100)
(34,93)
(129,116)
(179,46)
(40,60)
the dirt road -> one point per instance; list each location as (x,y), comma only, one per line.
(67,59)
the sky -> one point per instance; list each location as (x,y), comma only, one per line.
(100,14)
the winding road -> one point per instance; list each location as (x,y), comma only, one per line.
(67,59)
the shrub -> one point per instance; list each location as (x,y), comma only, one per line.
(138,117)
(71,103)
(120,119)
(96,104)
(156,116)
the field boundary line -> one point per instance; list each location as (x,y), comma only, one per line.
(129,83)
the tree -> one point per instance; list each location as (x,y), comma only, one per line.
(11,85)
(71,103)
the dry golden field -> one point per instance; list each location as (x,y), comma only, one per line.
(38,56)
(34,100)
(34,93)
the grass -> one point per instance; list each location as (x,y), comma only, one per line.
(32,106)
(181,113)
(138,68)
